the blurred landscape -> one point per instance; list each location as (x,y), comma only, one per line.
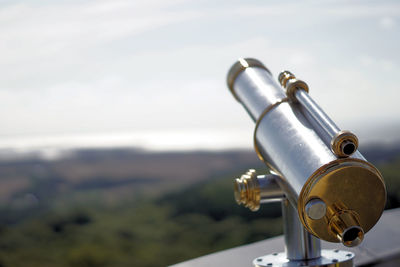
(104,103)
(130,207)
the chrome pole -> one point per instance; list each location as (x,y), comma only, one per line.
(342,143)
(299,243)
(319,115)
(301,248)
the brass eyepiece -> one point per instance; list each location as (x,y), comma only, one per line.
(344,144)
(345,225)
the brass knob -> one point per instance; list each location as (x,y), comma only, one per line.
(247,190)
(251,189)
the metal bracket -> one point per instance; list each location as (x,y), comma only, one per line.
(301,248)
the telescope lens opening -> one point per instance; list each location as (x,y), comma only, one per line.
(349,148)
(353,236)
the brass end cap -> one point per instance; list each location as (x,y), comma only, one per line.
(247,190)
(241,65)
(285,76)
(291,84)
(345,186)
(344,144)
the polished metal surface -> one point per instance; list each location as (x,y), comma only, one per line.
(345,225)
(270,191)
(240,66)
(256,86)
(342,143)
(284,77)
(381,245)
(299,244)
(315,209)
(329,258)
(326,123)
(289,143)
(251,189)
(346,187)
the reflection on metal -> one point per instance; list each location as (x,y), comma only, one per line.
(299,244)
(301,248)
(290,143)
(260,118)
(326,182)
(342,143)
(329,258)
(252,190)
(315,209)
(345,225)
(346,186)
(238,68)
(380,246)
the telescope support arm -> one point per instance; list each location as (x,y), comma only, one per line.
(301,247)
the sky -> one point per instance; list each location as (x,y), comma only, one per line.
(153,73)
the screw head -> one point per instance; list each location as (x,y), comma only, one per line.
(315,208)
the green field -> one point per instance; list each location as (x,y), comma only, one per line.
(116,221)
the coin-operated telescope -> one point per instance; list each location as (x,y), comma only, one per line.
(327,188)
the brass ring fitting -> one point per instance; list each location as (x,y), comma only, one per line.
(241,65)
(291,84)
(268,109)
(247,190)
(294,84)
(345,225)
(344,144)
(284,76)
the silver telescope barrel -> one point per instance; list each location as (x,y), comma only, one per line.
(290,141)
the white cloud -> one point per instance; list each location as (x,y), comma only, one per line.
(76,66)
(296,11)
(57,38)
(387,23)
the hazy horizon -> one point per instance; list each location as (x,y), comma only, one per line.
(54,146)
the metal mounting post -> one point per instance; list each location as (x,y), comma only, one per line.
(301,247)
(299,244)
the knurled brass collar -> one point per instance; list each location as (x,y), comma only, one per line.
(294,84)
(241,65)
(285,76)
(247,190)
(291,84)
